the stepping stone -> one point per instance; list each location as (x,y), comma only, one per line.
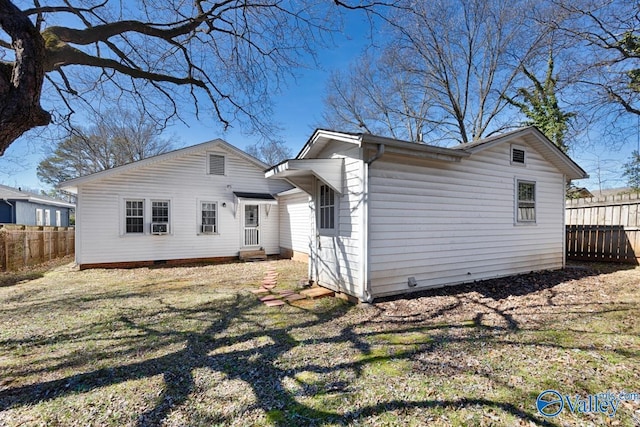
(286,292)
(269,298)
(268,286)
(274,303)
(294,297)
(270,276)
(260,291)
(317,292)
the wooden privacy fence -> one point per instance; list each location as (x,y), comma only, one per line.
(604,229)
(22,246)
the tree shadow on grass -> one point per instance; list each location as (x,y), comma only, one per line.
(219,348)
(259,369)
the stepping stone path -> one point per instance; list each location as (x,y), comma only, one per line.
(274,298)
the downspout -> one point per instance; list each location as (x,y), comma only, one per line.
(367,294)
(12,210)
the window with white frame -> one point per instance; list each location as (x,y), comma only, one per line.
(58,219)
(215,164)
(39,217)
(134,216)
(326,208)
(526,209)
(47,217)
(160,211)
(209,217)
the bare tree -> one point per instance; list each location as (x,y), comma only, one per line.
(446,69)
(603,37)
(116,139)
(226,56)
(376,97)
(270,152)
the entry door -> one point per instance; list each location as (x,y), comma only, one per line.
(251,225)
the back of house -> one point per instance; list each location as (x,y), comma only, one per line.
(205,202)
(394,216)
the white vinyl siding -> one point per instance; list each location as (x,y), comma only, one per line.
(449,223)
(180,180)
(295,222)
(340,251)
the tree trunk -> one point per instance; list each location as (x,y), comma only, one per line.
(21,81)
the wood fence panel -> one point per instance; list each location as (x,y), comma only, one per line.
(22,246)
(604,229)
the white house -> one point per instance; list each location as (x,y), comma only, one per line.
(392,216)
(205,202)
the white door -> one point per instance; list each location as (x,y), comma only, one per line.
(327,266)
(251,225)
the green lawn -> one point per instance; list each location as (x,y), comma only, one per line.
(193,346)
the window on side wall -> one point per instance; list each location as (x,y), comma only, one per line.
(39,217)
(134,216)
(526,200)
(209,217)
(58,219)
(326,208)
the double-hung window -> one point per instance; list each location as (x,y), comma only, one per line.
(526,208)
(209,216)
(326,208)
(134,216)
(160,211)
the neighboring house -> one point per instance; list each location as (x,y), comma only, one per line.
(24,208)
(205,202)
(390,216)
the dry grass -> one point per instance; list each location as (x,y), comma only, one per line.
(192,346)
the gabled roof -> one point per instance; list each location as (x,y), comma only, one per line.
(535,138)
(10,193)
(529,135)
(72,184)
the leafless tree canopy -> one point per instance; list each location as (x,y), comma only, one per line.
(226,56)
(116,138)
(602,37)
(444,72)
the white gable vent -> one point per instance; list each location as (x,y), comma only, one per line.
(517,156)
(216,164)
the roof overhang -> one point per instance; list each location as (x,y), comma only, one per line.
(301,173)
(255,198)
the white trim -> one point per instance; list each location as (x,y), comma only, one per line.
(39,217)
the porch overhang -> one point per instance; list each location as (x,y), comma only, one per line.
(255,198)
(300,172)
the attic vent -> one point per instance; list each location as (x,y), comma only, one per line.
(517,156)
(216,164)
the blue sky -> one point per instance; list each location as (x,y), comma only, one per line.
(299,108)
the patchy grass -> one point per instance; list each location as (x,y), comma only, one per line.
(193,346)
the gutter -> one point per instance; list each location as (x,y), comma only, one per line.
(367,294)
